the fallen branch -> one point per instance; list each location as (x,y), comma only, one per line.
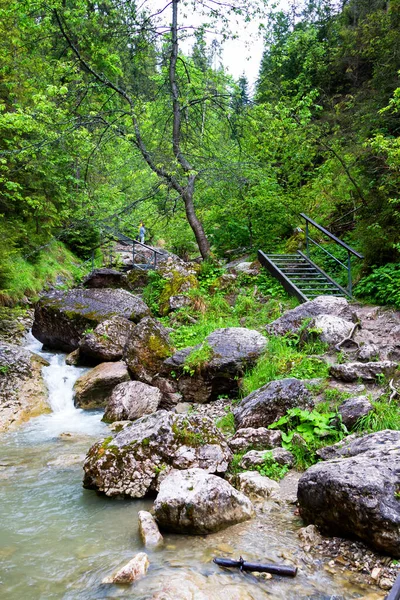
(349,338)
(394,391)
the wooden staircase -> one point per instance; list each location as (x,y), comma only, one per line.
(300,276)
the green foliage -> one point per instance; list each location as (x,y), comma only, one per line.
(270,468)
(386,415)
(153,290)
(82,239)
(198,359)
(303,432)
(282,360)
(382,286)
(226,423)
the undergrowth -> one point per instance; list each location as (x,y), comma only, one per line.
(382,286)
(385,415)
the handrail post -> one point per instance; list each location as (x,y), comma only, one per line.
(349,280)
(307,242)
(155,260)
(133,255)
(93,260)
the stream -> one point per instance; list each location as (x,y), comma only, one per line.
(58,540)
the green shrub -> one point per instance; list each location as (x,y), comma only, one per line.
(153,290)
(382,286)
(386,415)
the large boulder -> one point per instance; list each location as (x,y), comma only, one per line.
(332,329)
(293,320)
(267,404)
(146,348)
(194,502)
(107,341)
(61,318)
(255,439)
(357,495)
(352,409)
(106,278)
(134,461)
(227,354)
(23,392)
(131,400)
(93,389)
(369,372)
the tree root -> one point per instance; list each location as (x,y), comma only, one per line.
(393,390)
(349,338)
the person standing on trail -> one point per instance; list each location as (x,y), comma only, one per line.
(142,232)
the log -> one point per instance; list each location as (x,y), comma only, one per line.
(241,564)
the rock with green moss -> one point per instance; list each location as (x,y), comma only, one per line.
(215,367)
(94,388)
(179,279)
(147,346)
(107,341)
(135,461)
(194,502)
(62,317)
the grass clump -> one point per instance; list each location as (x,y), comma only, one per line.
(272,469)
(386,415)
(198,359)
(226,423)
(283,359)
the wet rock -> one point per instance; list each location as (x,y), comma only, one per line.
(194,586)
(131,400)
(267,404)
(231,351)
(107,341)
(73,358)
(147,346)
(195,502)
(61,318)
(106,278)
(148,530)
(368,372)
(132,462)
(333,329)
(93,389)
(309,536)
(257,439)
(23,392)
(293,319)
(256,486)
(132,571)
(178,302)
(353,409)
(358,495)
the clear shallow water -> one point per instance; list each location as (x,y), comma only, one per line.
(58,540)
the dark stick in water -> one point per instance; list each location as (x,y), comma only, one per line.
(256,567)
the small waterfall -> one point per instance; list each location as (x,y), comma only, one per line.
(60,379)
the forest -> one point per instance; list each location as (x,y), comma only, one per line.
(104,120)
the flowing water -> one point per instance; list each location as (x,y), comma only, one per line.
(58,540)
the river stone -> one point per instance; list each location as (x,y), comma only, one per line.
(256,486)
(292,320)
(148,530)
(93,389)
(106,278)
(62,317)
(133,570)
(368,372)
(256,439)
(353,409)
(107,341)
(23,392)
(357,495)
(232,351)
(132,462)
(197,503)
(147,346)
(267,404)
(131,400)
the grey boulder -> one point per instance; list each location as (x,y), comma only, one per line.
(141,454)
(195,502)
(107,341)
(106,278)
(353,409)
(267,404)
(131,400)
(61,318)
(256,439)
(231,351)
(358,494)
(369,372)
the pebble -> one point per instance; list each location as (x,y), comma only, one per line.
(385,583)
